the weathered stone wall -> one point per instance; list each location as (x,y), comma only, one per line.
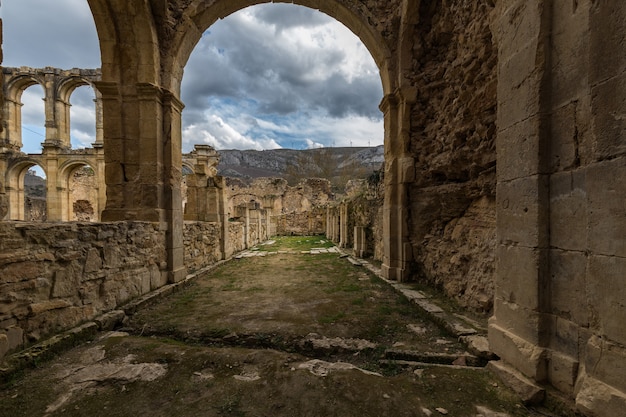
(84,195)
(54,276)
(453,143)
(202,244)
(277,195)
(365,209)
(236,236)
(308,223)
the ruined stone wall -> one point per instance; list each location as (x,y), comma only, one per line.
(365,209)
(276,194)
(236,237)
(84,195)
(55,276)
(202,244)
(452,201)
(308,223)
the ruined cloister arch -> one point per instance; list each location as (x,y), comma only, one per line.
(560,144)
(14,181)
(58,85)
(137,188)
(64,187)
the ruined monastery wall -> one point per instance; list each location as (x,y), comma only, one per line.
(202,244)
(55,276)
(452,200)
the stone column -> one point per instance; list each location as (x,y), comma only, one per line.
(12,125)
(399,173)
(56,190)
(518,331)
(343,225)
(144,162)
(360,244)
(99,122)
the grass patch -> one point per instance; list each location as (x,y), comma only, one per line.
(333,318)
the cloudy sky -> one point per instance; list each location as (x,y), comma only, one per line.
(269,76)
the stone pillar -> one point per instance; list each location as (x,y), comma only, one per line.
(56,191)
(57,112)
(12,124)
(143,160)
(99,122)
(343,225)
(399,173)
(360,242)
(518,331)
(99,172)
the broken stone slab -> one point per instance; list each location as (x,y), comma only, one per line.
(460,359)
(479,346)
(317,342)
(529,392)
(353,261)
(322,368)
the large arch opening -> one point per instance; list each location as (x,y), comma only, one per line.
(26,186)
(281,76)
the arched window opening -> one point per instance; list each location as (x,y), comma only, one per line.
(83,117)
(33,190)
(33,119)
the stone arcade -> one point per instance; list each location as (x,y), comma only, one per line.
(510,110)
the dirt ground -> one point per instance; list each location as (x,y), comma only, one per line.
(282,331)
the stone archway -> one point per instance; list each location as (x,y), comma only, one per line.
(72,189)
(143,162)
(15,190)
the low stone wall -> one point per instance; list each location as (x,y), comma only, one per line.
(55,276)
(202,244)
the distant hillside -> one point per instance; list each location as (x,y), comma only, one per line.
(335,164)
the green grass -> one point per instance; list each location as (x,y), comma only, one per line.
(297,243)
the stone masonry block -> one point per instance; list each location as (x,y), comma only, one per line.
(565,337)
(568,286)
(568,210)
(520,278)
(525,324)
(595,398)
(523,355)
(519,82)
(563,371)
(565,134)
(520,23)
(15,337)
(519,149)
(607,296)
(609,116)
(4,345)
(93,263)
(606,190)
(606,362)
(528,391)
(570,50)
(608,34)
(521,216)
